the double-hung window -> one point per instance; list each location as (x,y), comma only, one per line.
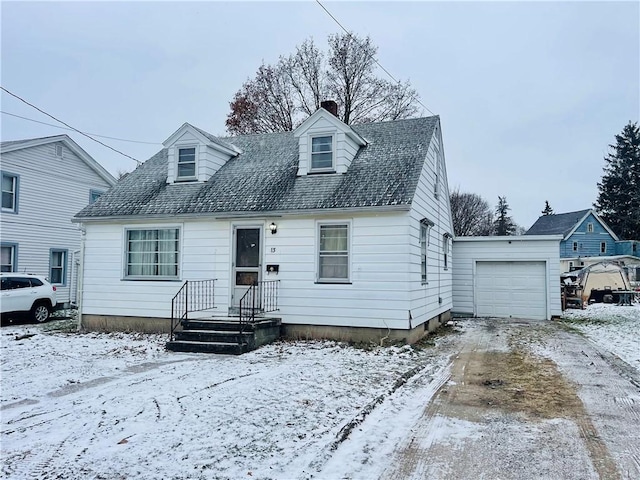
(589,227)
(322,154)
(575,246)
(186,163)
(8,257)
(10,192)
(58,266)
(152,253)
(424,245)
(603,247)
(333,252)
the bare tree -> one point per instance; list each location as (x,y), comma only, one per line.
(281,97)
(471,214)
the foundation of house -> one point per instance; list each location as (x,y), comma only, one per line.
(364,334)
(113,323)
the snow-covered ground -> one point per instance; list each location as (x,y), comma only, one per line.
(116,406)
(120,406)
(614,328)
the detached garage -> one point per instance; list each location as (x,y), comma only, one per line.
(515,277)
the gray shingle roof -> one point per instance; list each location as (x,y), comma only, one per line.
(560,224)
(263,178)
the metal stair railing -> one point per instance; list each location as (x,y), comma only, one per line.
(193,296)
(261,297)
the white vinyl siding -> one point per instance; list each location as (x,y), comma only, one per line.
(48,198)
(433,296)
(152,253)
(526,254)
(9,192)
(333,253)
(375,296)
(58,267)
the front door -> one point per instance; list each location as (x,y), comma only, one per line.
(247,261)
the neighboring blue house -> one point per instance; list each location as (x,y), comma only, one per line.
(587,239)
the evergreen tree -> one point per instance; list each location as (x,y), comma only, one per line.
(619,191)
(503,224)
(547,208)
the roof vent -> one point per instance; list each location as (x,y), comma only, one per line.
(330,106)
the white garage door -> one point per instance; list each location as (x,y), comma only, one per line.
(511,289)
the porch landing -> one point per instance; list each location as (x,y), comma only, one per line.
(223,335)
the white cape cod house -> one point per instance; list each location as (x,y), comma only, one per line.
(346,229)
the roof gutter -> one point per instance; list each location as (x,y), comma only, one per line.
(248,215)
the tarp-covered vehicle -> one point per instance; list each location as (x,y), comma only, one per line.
(599,282)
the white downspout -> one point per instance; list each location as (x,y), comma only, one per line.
(80,287)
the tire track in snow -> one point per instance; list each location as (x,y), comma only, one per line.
(411,456)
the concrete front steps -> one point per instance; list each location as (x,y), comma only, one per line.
(222,335)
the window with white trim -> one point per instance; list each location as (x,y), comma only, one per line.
(322,154)
(9,192)
(424,245)
(333,252)
(589,227)
(603,247)
(8,257)
(575,246)
(186,163)
(58,266)
(152,253)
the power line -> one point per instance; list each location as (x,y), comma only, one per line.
(65,128)
(72,128)
(372,57)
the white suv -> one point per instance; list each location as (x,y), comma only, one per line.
(23,292)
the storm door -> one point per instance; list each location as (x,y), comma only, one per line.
(246,262)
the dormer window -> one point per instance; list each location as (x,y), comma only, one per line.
(186,163)
(322,154)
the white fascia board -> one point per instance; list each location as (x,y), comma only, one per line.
(32,143)
(335,121)
(513,238)
(201,138)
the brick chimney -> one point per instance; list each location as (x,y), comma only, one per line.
(330,106)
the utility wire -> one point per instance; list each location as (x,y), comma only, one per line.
(72,128)
(372,57)
(65,128)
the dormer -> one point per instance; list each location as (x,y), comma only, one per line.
(195,155)
(326,144)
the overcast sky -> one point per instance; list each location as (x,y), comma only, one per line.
(529,95)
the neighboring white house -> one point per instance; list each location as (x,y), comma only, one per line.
(515,276)
(45,181)
(354,222)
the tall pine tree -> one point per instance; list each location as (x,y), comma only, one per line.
(619,191)
(503,224)
(547,208)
